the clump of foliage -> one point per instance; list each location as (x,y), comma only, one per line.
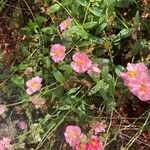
(64,66)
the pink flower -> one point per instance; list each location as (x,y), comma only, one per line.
(5,142)
(94,70)
(133,72)
(38,101)
(2,146)
(94,144)
(98,127)
(65,24)
(72,135)
(141,87)
(81,62)
(33,85)
(29,71)
(2,109)
(58,52)
(22,125)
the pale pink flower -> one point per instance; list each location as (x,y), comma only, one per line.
(29,71)
(98,127)
(38,102)
(81,63)
(22,125)
(33,85)
(94,144)
(133,72)
(2,146)
(58,52)
(72,135)
(6,143)
(141,87)
(65,24)
(94,70)
(2,109)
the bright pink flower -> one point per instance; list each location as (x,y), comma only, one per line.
(38,101)
(58,52)
(141,87)
(133,72)
(98,127)
(22,125)
(5,142)
(94,70)
(65,24)
(72,135)
(81,62)
(2,109)
(33,85)
(94,144)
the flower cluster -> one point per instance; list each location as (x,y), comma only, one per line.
(79,141)
(22,125)
(38,102)
(65,24)
(33,85)
(137,80)
(81,63)
(58,52)
(5,144)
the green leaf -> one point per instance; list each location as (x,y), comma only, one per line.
(110,105)
(18,80)
(119,69)
(140,46)
(96,11)
(58,76)
(83,2)
(105,71)
(124,33)
(66,2)
(112,87)
(89,25)
(54,8)
(103,93)
(50,30)
(137,19)
(72,91)
(79,31)
(100,85)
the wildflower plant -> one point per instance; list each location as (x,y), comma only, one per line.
(78,76)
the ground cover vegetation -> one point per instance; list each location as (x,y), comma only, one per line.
(74,74)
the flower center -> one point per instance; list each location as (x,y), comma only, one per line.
(72,135)
(34,85)
(93,143)
(132,74)
(142,88)
(57,53)
(80,62)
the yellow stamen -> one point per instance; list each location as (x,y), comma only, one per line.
(57,53)
(80,62)
(142,88)
(73,135)
(132,74)
(34,85)
(93,143)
